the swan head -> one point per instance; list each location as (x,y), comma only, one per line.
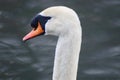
(57,20)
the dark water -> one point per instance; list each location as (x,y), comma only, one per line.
(33,60)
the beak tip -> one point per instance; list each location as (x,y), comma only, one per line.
(24,39)
(27,37)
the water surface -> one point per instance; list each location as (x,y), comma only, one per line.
(33,60)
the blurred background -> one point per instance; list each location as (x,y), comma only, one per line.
(33,60)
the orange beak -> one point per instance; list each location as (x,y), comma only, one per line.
(34,33)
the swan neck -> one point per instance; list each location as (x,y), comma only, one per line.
(66,57)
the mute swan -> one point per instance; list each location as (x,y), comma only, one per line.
(63,22)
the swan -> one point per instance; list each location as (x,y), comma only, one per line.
(63,22)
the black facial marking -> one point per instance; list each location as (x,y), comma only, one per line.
(41,19)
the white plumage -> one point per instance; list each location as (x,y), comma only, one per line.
(65,24)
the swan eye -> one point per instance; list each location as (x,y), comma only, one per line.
(41,19)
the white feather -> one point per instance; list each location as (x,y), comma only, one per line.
(65,24)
